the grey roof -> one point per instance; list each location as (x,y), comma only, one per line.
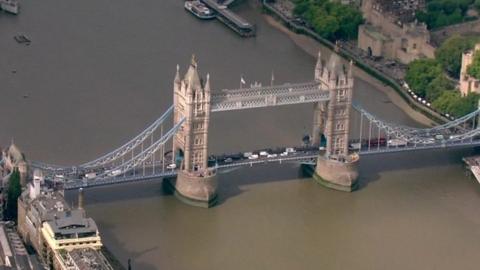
(87,258)
(72,222)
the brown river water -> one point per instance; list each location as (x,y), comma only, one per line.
(98,72)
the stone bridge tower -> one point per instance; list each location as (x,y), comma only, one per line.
(336,168)
(195,183)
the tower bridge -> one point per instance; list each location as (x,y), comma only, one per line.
(179,155)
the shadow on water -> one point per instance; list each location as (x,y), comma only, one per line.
(236,182)
(120,192)
(114,246)
(372,166)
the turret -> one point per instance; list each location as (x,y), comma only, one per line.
(177,80)
(319,67)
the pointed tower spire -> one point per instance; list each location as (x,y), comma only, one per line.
(194,61)
(207,83)
(177,74)
(319,67)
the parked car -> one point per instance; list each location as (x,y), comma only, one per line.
(247,154)
(263,153)
(290,150)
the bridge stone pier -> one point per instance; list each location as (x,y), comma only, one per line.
(336,168)
(195,183)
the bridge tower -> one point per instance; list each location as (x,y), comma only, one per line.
(336,168)
(195,183)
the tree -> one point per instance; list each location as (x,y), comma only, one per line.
(420,73)
(436,88)
(474,68)
(452,103)
(330,20)
(450,53)
(444,12)
(13,192)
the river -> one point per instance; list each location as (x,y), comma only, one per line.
(98,72)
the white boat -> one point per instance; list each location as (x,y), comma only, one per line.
(199,9)
(10,6)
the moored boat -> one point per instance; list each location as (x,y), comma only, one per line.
(10,6)
(199,9)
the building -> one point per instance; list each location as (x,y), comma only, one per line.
(14,159)
(13,254)
(64,237)
(468,83)
(69,232)
(391,30)
(38,204)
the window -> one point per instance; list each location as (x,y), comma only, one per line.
(340,126)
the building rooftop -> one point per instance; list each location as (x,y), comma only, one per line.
(72,222)
(85,258)
(403,10)
(374,32)
(13,254)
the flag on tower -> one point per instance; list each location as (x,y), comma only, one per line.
(242,80)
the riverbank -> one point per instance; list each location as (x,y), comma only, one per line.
(312,46)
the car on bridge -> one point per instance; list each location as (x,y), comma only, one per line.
(263,153)
(397,143)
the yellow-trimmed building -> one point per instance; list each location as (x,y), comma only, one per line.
(68,231)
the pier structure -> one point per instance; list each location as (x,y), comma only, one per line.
(230,19)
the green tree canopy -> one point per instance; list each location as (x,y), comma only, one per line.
(452,103)
(444,12)
(437,87)
(474,68)
(330,20)
(450,53)
(13,192)
(421,73)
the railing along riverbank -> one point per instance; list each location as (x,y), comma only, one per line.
(343,52)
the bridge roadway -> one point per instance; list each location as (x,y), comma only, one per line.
(301,154)
(230,19)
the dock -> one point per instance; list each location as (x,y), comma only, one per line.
(230,19)
(473,164)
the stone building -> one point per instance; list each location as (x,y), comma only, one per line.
(391,30)
(63,237)
(14,159)
(468,83)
